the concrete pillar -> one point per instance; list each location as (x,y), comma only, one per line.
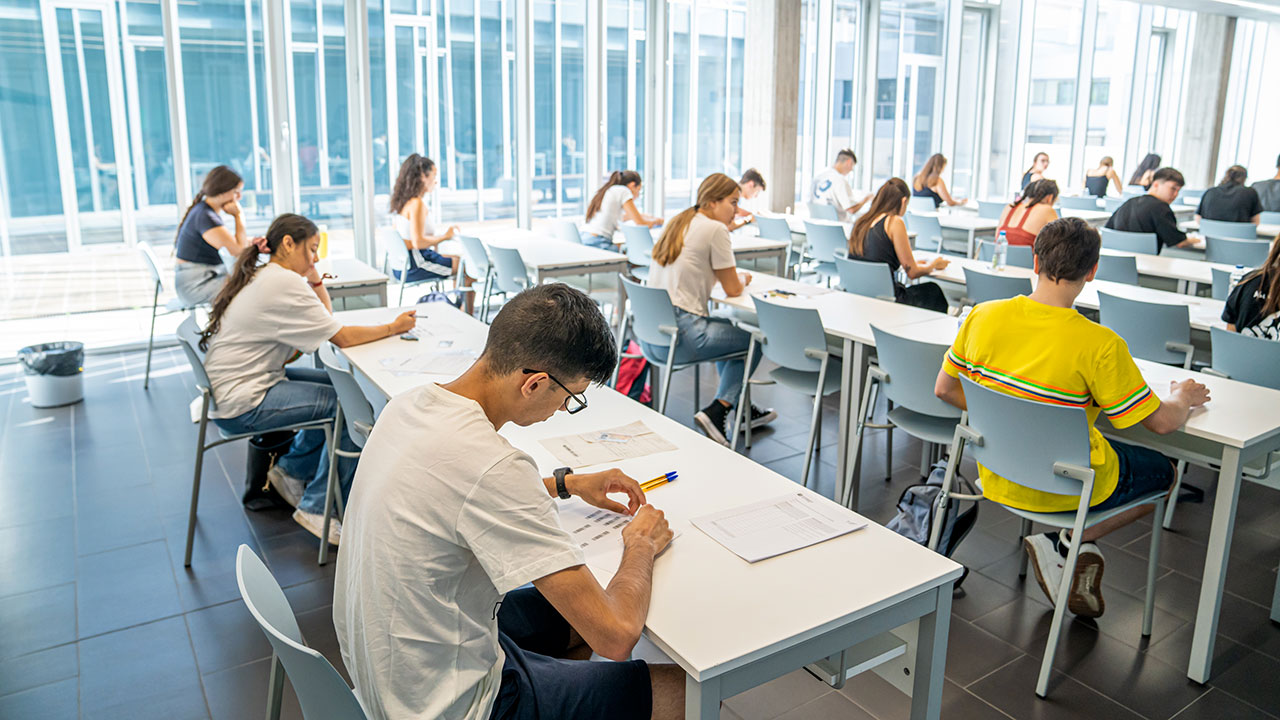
(1206,95)
(770,96)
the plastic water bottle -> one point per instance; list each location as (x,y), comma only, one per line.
(1237,275)
(1001,252)
(964,313)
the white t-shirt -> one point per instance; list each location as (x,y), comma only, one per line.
(832,188)
(276,314)
(605,221)
(691,277)
(435,534)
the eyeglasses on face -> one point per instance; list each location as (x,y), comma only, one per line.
(574,402)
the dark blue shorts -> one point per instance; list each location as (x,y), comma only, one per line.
(537,686)
(1142,472)
(429,265)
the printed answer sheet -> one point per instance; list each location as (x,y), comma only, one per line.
(607,446)
(446,361)
(773,527)
(597,532)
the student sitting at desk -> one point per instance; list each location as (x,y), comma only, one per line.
(1033,210)
(417,179)
(1150,213)
(440,536)
(881,236)
(751,184)
(1269,191)
(613,202)
(1145,173)
(929,183)
(199,273)
(1253,307)
(693,254)
(1040,348)
(264,316)
(831,186)
(1097,179)
(1231,200)
(1039,164)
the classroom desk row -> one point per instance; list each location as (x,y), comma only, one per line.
(729,624)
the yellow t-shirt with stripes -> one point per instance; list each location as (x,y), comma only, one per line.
(1055,355)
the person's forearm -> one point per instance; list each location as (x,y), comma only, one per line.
(323,293)
(361,334)
(630,589)
(242,235)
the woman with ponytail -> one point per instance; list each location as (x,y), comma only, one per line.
(199,272)
(693,254)
(614,201)
(1033,210)
(1253,307)
(1231,200)
(264,316)
(880,235)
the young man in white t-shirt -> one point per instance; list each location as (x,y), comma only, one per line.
(448,521)
(831,186)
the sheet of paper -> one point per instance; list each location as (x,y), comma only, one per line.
(597,532)
(442,361)
(776,526)
(607,446)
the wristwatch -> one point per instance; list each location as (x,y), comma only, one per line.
(561,490)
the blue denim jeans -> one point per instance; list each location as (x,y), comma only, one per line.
(708,337)
(594,240)
(305,394)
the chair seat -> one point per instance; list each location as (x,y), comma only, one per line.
(641,272)
(1067,519)
(826,269)
(930,428)
(806,380)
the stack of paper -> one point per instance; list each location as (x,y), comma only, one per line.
(607,446)
(772,527)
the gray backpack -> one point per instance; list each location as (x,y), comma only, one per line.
(916,509)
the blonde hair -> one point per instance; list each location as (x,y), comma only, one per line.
(714,188)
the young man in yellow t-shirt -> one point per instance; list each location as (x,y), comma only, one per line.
(1040,348)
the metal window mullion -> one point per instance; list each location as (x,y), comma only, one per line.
(61,124)
(392,85)
(630,83)
(431,98)
(504,70)
(523,111)
(90,151)
(478,82)
(1084,90)
(728,82)
(450,135)
(254,124)
(5,219)
(172,43)
(1022,95)
(279,67)
(360,127)
(990,49)
(141,194)
(954,27)
(870,33)
(658,100)
(1138,88)
(823,78)
(691,107)
(423,65)
(321,98)
(594,54)
(557,117)
(119,130)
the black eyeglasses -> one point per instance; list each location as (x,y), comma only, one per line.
(579,401)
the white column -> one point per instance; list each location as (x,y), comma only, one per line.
(275,37)
(177,103)
(524,114)
(595,98)
(1206,94)
(360,127)
(655,96)
(771,96)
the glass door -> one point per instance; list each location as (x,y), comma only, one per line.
(412,93)
(920,91)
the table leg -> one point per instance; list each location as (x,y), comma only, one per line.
(782,268)
(1183,287)
(1275,602)
(972,234)
(701,699)
(1215,566)
(931,659)
(845,415)
(618,303)
(853,372)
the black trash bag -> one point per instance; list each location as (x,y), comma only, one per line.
(61,359)
(264,450)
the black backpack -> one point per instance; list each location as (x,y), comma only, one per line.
(918,505)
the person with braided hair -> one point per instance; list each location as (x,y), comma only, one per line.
(199,273)
(1032,211)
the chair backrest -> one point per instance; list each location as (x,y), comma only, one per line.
(825,241)
(919,204)
(1224,229)
(789,332)
(1134,242)
(1022,440)
(475,257)
(1118,268)
(773,228)
(823,211)
(983,286)
(567,230)
(927,229)
(1189,196)
(863,277)
(1147,326)
(988,210)
(1221,283)
(189,338)
(1084,202)
(1134,190)
(1018,255)
(509,271)
(391,250)
(1229,251)
(651,310)
(1246,358)
(639,244)
(1269,217)
(912,367)
(149,257)
(356,409)
(322,692)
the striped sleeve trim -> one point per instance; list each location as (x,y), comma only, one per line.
(1019,386)
(1131,402)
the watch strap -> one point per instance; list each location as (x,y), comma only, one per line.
(561,491)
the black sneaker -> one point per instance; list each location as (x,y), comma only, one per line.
(760,418)
(713,419)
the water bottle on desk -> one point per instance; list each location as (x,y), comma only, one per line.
(964,313)
(1236,276)
(1001,252)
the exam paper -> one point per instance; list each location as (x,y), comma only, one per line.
(597,532)
(773,527)
(607,446)
(447,361)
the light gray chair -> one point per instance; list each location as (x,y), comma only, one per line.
(510,275)
(1043,447)
(397,261)
(824,242)
(1221,283)
(920,204)
(1269,218)
(1153,331)
(1189,197)
(1229,251)
(477,265)
(322,693)
(777,228)
(1111,204)
(990,210)
(927,229)
(981,286)
(1224,229)
(567,230)
(1246,358)
(189,339)
(823,211)
(639,249)
(1118,268)
(171,306)
(1083,202)
(1022,256)
(1134,190)
(1134,242)
(356,411)
(795,340)
(866,278)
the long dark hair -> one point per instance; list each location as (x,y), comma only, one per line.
(219,180)
(1150,162)
(411,182)
(714,188)
(888,201)
(617,177)
(931,171)
(1235,175)
(1034,158)
(286,225)
(1270,272)
(1035,192)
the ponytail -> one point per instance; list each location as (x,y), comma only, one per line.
(1035,192)
(714,188)
(617,177)
(287,225)
(1235,175)
(1270,272)
(219,180)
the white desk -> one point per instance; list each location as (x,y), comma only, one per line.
(962,219)
(706,611)
(352,278)
(1095,218)
(1189,273)
(753,247)
(1265,231)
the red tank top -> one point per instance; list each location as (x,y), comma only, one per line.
(1016,235)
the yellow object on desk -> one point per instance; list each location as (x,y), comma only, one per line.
(323,250)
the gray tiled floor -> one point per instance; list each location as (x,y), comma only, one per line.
(99,619)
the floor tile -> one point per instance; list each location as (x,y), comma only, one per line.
(211,579)
(56,701)
(225,636)
(980,595)
(37,555)
(241,692)
(972,653)
(107,520)
(1217,705)
(778,696)
(319,634)
(1011,690)
(832,706)
(38,668)
(143,672)
(125,587)
(293,558)
(1254,679)
(37,620)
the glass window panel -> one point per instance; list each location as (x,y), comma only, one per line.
(624,85)
(737,61)
(307,112)
(907,127)
(573,117)
(973,51)
(143,17)
(1055,55)
(558,110)
(1113,61)
(153,117)
(302,20)
(712,80)
(681,51)
(844,38)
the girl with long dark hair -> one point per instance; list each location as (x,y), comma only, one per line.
(929,183)
(880,235)
(1039,164)
(418,178)
(613,202)
(1253,307)
(1142,175)
(199,272)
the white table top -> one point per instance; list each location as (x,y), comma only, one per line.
(708,610)
(1174,268)
(349,272)
(1089,216)
(539,251)
(1266,231)
(742,242)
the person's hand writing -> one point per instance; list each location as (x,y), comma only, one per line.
(648,526)
(404,322)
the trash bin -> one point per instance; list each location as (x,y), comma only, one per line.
(54,372)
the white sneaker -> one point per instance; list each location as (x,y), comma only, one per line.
(289,487)
(314,522)
(1047,563)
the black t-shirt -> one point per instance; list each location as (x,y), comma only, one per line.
(191,244)
(1243,309)
(1229,203)
(1148,214)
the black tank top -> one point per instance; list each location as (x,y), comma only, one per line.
(878,247)
(929,193)
(1096,185)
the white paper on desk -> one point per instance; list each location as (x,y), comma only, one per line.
(597,532)
(589,448)
(437,362)
(776,526)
